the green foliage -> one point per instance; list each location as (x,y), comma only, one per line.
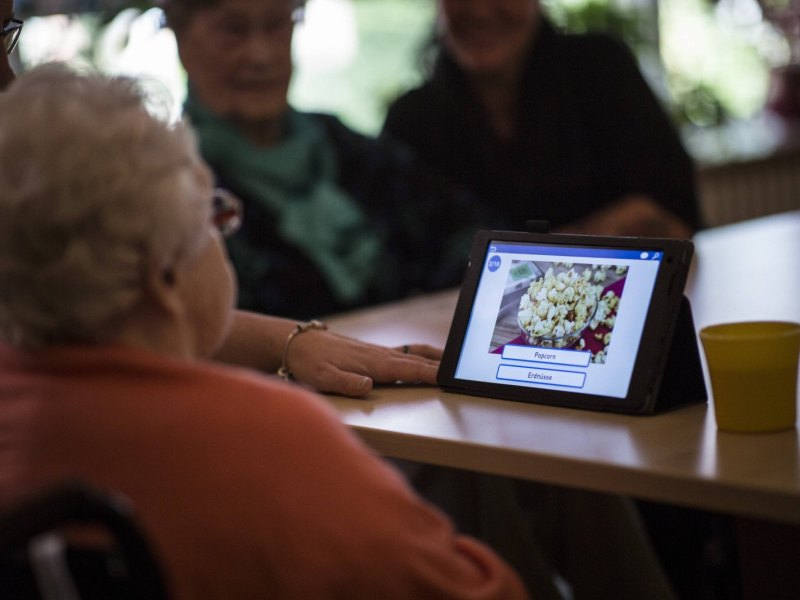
(634,26)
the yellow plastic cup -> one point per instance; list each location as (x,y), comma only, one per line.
(753,368)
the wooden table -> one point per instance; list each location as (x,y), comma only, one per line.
(742,271)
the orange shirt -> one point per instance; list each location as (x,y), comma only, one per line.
(248,487)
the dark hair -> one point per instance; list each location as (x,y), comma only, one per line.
(178,12)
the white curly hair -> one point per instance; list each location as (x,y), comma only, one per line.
(94,191)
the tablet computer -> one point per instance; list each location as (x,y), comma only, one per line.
(569,320)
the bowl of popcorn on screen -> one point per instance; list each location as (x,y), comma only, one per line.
(557,308)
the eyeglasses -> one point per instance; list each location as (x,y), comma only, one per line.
(10,34)
(227,212)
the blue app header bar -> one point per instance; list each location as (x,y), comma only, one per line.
(581,252)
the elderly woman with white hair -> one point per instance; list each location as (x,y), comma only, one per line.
(114,289)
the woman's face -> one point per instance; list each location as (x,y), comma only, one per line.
(206,283)
(237,55)
(488,36)
(209,288)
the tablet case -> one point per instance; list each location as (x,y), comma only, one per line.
(682,381)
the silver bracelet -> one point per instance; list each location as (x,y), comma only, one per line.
(284,370)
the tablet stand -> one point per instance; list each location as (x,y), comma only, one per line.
(682,382)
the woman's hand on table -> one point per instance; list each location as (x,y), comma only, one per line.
(324,360)
(333,363)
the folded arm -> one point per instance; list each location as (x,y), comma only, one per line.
(633,215)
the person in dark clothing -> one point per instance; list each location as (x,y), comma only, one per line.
(333,220)
(541,124)
(545,125)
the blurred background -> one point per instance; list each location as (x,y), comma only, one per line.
(728,71)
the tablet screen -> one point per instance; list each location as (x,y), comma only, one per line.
(559,317)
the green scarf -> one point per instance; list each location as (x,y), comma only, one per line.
(296,182)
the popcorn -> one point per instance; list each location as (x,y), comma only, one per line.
(611,300)
(557,306)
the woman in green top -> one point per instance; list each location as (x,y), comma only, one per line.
(333,220)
